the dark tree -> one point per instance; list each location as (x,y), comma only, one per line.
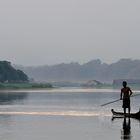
(10,74)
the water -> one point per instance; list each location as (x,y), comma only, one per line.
(61,114)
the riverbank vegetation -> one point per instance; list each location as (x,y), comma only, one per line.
(24,85)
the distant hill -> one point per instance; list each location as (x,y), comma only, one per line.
(95,69)
(10,74)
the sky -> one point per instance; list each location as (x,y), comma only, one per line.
(47,32)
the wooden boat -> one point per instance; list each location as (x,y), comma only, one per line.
(121,114)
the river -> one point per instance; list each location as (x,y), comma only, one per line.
(65,113)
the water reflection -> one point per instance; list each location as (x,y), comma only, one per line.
(126,129)
(9,98)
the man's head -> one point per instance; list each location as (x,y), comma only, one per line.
(124,83)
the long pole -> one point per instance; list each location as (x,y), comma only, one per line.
(117,100)
(110,102)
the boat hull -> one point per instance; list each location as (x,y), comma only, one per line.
(121,114)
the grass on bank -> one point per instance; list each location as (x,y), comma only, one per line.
(24,85)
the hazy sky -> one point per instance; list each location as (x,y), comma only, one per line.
(36,32)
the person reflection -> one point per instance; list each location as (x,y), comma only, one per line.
(126,131)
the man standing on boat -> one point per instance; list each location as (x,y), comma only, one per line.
(126,92)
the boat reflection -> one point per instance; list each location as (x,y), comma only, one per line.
(126,129)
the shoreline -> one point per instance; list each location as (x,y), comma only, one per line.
(52,89)
(18,86)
